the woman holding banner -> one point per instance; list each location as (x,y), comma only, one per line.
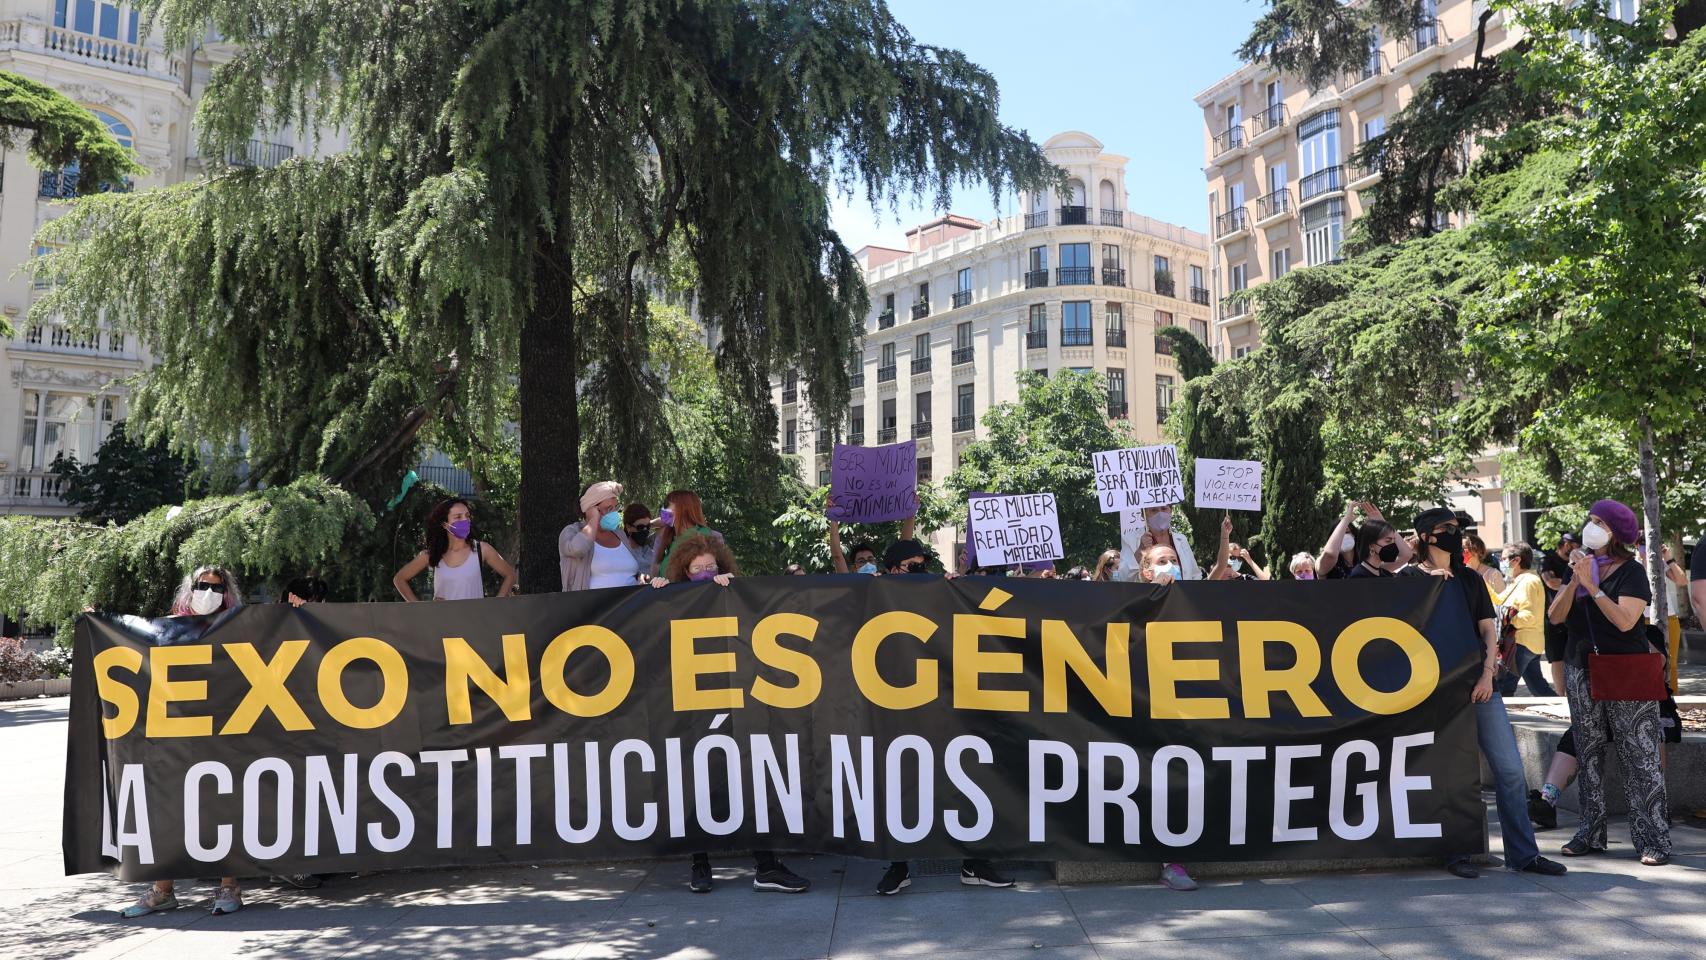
(455,556)
(1159,565)
(207,591)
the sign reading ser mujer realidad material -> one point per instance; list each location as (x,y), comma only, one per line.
(888,717)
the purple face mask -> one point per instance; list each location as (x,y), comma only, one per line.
(461,528)
(703,575)
(1305,574)
(667,516)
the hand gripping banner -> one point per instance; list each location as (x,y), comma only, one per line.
(889,717)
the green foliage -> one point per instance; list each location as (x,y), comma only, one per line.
(62,132)
(1043,444)
(50,570)
(804,530)
(1191,354)
(1212,419)
(1322,40)
(125,480)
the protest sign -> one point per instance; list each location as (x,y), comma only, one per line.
(1139,477)
(873,484)
(1020,528)
(1229,484)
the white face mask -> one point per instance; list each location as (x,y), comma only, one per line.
(1594,536)
(1347,543)
(204,602)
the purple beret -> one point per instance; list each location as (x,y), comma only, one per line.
(1619,518)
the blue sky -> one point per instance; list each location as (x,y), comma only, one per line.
(1123,71)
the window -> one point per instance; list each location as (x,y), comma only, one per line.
(114,21)
(1161,264)
(1318,152)
(1279,263)
(1276,178)
(1116,393)
(856,425)
(1323,229)
(965,402)
(1240,276)
(823,477)
(885,432)
(888,303)
(924,469)
(1039,258)
(790,431)
(1234,196)
(921,407)
(70,424)
(1234,116)
(1199,329)
(1042,372)
(1196,277)
(1115,317)
(1373,127)
(921,347)
(1163,396)
(1238,352)
(1624,10)
(1110,256)
(924,292)
(1037,337)
(888,355)
(963,285)
(1075,263)
(962,336)
(1163,319)
(1371,67)
(1275,96)
(1075,323)
(61,184)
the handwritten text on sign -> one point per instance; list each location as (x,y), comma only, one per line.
(1016,529)
(1139,477)
(1229,484)
(873,484)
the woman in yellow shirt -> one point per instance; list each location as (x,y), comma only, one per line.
(1525,594)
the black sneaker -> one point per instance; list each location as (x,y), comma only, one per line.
(978,873)
(1546,868)
(1544,815)
(301,881)
(779,878)
(1463,868)
(700,880)
(898,878)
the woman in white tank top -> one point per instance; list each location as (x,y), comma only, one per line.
(456,558)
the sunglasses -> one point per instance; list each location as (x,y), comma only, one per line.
(915,567)
(215,587)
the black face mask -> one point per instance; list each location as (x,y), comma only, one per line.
(1387,554)
(1451,541)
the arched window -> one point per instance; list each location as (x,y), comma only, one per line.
(118,128)
(62,184)
(1108,196)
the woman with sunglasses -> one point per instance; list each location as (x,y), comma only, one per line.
(209,590)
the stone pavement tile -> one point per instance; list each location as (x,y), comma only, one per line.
(1009,953)
(512,884)
(478,931)
(862,877)
(1331,887)
(1621,887)
(915,923)
(1320,946)
(1378,910)
(1240,908)
(747,924)
(83,921)
(35,872)
(1685,930)
(1547,938)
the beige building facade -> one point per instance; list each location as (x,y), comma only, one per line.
(1282,189)
(61,392)
(1076,281)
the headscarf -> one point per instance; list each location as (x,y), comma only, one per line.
(598,493)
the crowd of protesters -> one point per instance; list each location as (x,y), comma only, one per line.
(1547,619)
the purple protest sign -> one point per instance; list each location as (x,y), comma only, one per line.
(873,484)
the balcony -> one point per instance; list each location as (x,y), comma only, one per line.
(1164,283)
(1233,307)
(921,429)
(1232,223)
(1266,123)
(823,444)
(1199,295)
(1274,207)
(885,435)
(1227,141)
(856,437)
(1072,216)
(1038,219)
(885,374)
(788,447)
(62,184)
(58,338)
(1036,278)
(1425,40)
(1118,410)
(1067,276)
(1163,346)
(1116,336)
(885,320)
(791,394)
(1113,276)
(1076,337)
(964,423)
(1161,414)
(921,310)
(30,491)
(962,356)
(920,365)
(1113,218)
(1321,182)
(961,298)
(1036,340)
(856,381)
(1376,71)
(88,48)
(259,154)
(1361,177)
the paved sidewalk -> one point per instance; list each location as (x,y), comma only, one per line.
(1606,907)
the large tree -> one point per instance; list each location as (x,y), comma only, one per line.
(517,172)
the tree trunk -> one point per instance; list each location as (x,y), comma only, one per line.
(549,497)
(1650,508)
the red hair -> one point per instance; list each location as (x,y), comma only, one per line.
(689,512)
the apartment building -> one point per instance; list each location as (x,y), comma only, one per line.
(1282,190)
(60,392)
(1076,281)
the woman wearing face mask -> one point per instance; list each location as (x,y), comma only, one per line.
(1379,551)
(1158,530)
(597,553)
(1159,565)
(1336,561)
(456,558)
(682,516)
(1603,607)
(1476,558)
(637,520)
(1106,565)
(207,591)
(1303,566)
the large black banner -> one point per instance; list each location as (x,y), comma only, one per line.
(886,717)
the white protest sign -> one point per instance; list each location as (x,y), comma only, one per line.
(1020,528)
(1131,524)
(1229,484)
(1139,477)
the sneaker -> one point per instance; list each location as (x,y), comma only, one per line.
(780,879)
(1546,868)
(978,873)
(154,901)
(227,900)
(301,881)
(1544,815)
(1175,877)
(897,878)
(1463,868)
(700,879)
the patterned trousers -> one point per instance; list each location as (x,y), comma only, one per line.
(1632,728)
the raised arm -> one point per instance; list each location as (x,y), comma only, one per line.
(410,570)
(1222,553)
(837,558)
(1329,557)
(1260,571)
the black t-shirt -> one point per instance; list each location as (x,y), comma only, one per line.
(1697,562)
(1342,569)
(1552,565)
(1470,587)
(1362,572)
(1590,630)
